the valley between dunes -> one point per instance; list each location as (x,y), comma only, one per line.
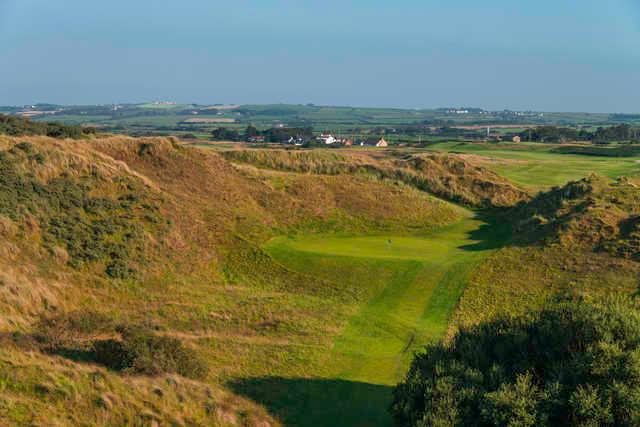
(143,282)
(424,277)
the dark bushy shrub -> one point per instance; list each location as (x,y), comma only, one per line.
(67,329)
(144,352)
(575,363)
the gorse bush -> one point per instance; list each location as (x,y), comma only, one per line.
(618,151)
(143,352)
(575,363)
(89,227)
(137,349)
(65,330)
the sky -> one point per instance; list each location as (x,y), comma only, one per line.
(545,55)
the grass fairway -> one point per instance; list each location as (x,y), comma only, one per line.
(536,167)
(411,287)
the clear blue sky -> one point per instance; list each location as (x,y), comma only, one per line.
(559,55)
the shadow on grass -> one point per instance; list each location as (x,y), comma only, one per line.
(319,402)
(496,232)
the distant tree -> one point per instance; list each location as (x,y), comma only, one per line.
(251,132)
(284,134)
(623,132)
(550,134)
(575,363)
(225,134)
(619,133)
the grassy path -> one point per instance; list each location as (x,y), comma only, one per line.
(425,276)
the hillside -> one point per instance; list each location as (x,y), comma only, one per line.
(133,277)
(447,176)
(140,274)
(580,238)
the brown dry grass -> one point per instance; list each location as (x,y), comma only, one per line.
(447,176)
(185,288)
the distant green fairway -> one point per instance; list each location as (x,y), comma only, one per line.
(534,166)
(413,284)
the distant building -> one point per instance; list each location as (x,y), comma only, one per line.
(517,139)
(327,139)
(296,141)
(382,143)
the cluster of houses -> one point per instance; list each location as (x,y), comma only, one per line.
(329,139)
(323,138)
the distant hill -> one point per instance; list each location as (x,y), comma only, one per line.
(164,118)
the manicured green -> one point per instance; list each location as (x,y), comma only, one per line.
(536,166)
(413,285)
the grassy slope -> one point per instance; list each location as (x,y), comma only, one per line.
(420,294)
(535,167)
(316,330)
(581,238)
(201,276)
(412,287)
(61,200)
(446,176)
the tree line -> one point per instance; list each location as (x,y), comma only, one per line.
(275,135)
(553,134)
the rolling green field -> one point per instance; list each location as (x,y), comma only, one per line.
(534,165)
(413,285)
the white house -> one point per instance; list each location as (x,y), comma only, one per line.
(328,139)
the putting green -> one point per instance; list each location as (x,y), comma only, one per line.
(424,278)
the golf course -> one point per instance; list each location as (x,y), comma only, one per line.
(413,284)
(536,166)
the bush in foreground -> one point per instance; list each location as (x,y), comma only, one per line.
(577,362)
(143,352)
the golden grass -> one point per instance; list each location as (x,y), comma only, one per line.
(189,287)
(447,176)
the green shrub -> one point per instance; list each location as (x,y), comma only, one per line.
(89,227)
(575,363)
(67,329)
(143,352)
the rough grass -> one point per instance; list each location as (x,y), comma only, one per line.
(42,390)
(446,176)
(309,325)
(580,238)
(202,281)
(592,213)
